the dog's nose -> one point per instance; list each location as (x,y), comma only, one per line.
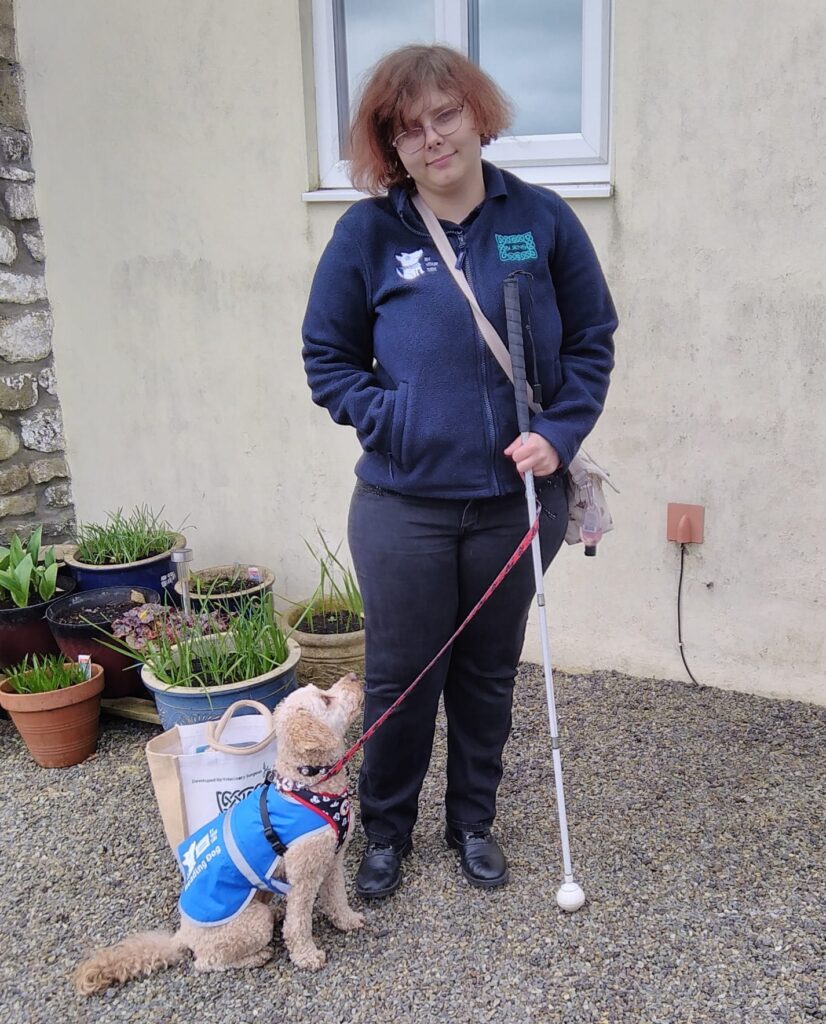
(352,683)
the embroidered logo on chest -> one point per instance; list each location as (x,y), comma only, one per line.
(414,264)
(516,247)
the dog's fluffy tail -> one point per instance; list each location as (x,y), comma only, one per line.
(139,954)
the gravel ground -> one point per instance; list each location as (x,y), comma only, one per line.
(697,825)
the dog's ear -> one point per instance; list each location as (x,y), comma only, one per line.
(306,738)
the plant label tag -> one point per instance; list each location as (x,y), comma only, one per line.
(254,574)
(85,662)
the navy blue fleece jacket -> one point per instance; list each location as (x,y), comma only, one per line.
(392,349)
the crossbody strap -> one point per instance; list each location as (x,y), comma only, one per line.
(486,328)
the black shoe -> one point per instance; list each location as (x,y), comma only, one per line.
(483,862)
(380,871)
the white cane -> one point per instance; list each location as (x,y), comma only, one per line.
(569,896)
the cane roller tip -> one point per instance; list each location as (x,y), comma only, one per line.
(570,897)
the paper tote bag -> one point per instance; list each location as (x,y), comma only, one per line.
(200,770)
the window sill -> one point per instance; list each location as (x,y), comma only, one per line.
(589,190)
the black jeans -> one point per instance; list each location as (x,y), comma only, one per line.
(422,563)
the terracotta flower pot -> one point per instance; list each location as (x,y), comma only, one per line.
(60,728)
(326,657)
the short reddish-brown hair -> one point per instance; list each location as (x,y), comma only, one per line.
(393,86)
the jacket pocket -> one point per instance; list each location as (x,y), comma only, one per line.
(399,420)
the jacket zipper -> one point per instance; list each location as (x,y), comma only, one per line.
(463,261)
(463,256)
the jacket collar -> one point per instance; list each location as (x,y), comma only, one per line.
(495,185)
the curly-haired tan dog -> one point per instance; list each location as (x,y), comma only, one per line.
(310,728)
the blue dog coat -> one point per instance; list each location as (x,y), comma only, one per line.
(226,861)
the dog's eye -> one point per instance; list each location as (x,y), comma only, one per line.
(328,700)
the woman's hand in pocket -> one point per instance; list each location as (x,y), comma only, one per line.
(536,454)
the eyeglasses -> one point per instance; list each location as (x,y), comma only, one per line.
(444,123)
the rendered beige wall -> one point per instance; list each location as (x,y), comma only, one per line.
(171,152)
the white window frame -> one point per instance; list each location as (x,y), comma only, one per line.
(575,164)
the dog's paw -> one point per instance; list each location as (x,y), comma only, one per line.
(258,959)
(349,922)
(309,958)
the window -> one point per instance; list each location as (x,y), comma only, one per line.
(551,57)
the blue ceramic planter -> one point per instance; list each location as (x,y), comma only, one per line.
(183,705)
(156,573)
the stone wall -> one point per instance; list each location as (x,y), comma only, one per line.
(34,475)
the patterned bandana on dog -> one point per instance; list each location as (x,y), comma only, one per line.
(334,807)
(230,858)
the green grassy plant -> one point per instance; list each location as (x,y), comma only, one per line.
(193,655)
(21,572)
(337,592)
(43,675)
(207,587)
(124,538)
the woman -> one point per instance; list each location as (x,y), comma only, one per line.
(391,348)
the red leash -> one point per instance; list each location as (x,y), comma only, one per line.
(524,544)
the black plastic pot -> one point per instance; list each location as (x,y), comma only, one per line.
(25,630)
(122,677)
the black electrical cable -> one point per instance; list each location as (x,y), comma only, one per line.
(679,614)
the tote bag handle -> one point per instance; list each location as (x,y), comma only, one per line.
(216,728)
